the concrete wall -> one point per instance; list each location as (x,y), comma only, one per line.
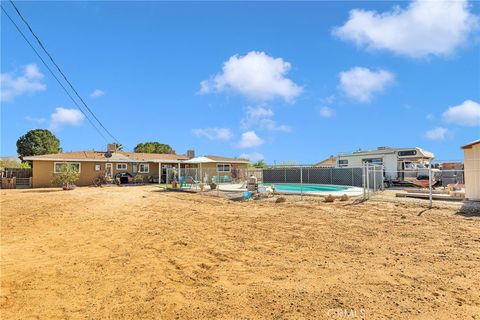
(43,172)
(472,172)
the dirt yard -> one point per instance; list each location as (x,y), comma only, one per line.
(139,253)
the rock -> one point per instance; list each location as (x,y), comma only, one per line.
(280,200)
(344,198)
(329,198)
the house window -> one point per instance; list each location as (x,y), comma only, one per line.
(59,166)
(223,167)
(121,166)
(143,168)
(98,167)
(343,163)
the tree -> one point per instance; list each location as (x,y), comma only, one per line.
(67,176)
(260,164)
(9,163)
(153,147)
(37,142)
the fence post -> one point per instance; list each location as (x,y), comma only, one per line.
(301,182)
(374,179)
(364,182)
(430,184)
(331,175)
(368,180)
(352,179)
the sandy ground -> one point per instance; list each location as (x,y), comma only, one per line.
(139,253)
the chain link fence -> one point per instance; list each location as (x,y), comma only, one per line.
(356,177)
(436,181)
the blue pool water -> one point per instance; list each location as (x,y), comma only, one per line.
(297,187)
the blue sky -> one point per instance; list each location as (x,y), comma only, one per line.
(284,81)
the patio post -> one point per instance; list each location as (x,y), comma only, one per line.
(159,173)
(178,175)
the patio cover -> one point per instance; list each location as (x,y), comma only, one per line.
(198,160)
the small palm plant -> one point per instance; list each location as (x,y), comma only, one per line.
(66,177)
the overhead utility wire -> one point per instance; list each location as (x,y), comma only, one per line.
(61,72)
(53,74)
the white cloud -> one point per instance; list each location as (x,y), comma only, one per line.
(29,82)
(256,75)
(326,112)
(35,119)
(253,157)
(328,100)
(64,116)
(436,134)
(214,133)
(362,83)
(97,93)
(249,140)
(465,114)
(423,28)
(261,117)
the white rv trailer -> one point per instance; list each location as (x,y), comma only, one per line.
(399,164)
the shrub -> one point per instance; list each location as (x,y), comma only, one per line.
(66,177)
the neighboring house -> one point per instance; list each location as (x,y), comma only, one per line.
(472,170)
(330,162)
(153,167)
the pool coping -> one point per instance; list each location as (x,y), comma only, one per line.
(351,191)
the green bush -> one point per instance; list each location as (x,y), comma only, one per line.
(66,177)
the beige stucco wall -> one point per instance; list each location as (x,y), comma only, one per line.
(211,169)
(472,172)
(42,172)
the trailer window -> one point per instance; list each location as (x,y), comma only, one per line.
(376,161)
(407,153)
(342,163)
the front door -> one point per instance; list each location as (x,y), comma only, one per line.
(109,170)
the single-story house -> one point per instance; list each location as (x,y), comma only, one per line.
(472,170)
(153,167)
(330,162)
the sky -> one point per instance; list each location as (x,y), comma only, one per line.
(279,81)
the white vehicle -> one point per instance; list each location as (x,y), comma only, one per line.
(399,164)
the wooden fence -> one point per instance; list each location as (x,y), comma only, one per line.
(16,178)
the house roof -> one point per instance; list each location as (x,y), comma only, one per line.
(225,159)
(121,156)
(116,156)
(330,161)
(471,144)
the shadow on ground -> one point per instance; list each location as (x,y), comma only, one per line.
(470,209)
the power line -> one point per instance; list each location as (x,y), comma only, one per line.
(52,73)
(60,71)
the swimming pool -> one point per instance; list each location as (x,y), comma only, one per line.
(306,188)
(297,188)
